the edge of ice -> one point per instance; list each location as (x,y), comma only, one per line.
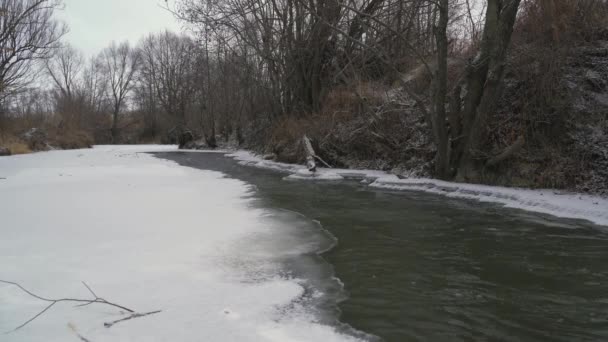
(547,201)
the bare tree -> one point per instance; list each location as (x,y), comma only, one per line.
(145,95)
(120,63)
(28,33)
(64,69)
(94,86)
(168,62)
(304,46)
(475,97)
(33,104)
(458,120)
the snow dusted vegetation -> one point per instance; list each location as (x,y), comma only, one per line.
(560,204)
(149,235)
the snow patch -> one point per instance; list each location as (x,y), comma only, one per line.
(304,174)
(150,235)
(552,202)
(246,158)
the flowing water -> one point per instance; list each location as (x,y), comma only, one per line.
(421,267)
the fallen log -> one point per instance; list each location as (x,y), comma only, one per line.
(311,155)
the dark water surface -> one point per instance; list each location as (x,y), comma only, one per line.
(422,267)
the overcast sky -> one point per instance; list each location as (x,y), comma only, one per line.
(95,23)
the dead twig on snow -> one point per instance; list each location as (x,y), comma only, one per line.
(75,331)
(83,302)
(135,315)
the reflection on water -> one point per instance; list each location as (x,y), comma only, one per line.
(420,267)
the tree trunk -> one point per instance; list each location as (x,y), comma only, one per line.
(442,160)
(484,84)
(476,95)
(114,130)
(549,13)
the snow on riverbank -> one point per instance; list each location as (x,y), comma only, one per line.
(553,202)
(150,235)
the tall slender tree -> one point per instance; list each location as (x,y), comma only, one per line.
(119,63)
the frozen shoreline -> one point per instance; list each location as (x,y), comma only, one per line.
(151,235)
(546,201)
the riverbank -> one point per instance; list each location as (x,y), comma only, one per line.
(553,202)
(40,140)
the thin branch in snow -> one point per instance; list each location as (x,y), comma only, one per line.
(33,318)
(52,302)
(73,328)
(89,288)
(135,315)
(96,300)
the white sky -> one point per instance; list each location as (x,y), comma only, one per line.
(95,23)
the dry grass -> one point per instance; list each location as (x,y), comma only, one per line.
(357,127)
(342,104)
(18,148)
(70,139)
(14,144)
(62,138)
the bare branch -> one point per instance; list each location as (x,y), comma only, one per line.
(55,301)
(133,316)
(88,288)
(36,316)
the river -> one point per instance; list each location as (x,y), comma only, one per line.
(422,267)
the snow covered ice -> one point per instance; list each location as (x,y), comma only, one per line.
(150,235)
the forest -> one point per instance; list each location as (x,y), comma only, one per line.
(505,92)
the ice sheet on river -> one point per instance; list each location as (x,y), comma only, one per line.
(553,202)
(151,235)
